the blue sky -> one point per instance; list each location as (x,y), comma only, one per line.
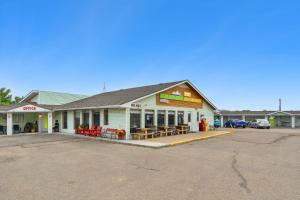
(240,54)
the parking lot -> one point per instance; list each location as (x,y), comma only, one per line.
(249,164)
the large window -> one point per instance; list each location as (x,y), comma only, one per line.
(135,121)
(189,117)
(76,119)
(149,119)
(106,117)
(161,118)
(86,119)
(65,120)
(96,118)
(171,118)
(180,117)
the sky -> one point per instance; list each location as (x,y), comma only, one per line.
(240,54)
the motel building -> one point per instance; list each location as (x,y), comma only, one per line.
(165,104)
(277,119)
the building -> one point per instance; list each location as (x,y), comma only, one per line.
(166,104)
(282,119)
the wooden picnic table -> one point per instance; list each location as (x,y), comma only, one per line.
(143,132)
(166,130)
(182,129)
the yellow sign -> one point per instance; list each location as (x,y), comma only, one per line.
(193,100)
(187,94)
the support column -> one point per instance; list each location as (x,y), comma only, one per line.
(80,117)
(143,118)
(166,118)
(9,121)
(244,118)
(222,121)
(267,117)
(50,122)
(155,117)
(176,118)
(90,118)
(127,123)
(101,117)
(293,121)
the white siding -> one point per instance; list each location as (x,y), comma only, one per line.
(207,111)
(116,119)
(70,128)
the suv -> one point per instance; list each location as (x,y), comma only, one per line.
(260,123)
(235,123)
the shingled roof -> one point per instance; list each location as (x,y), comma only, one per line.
(120,97)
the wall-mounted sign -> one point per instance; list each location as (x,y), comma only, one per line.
(136,105)
(187,94)
(29,108)
(179,98)
(176,93)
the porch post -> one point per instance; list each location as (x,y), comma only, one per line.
(50,122)
(143,118)
(9,121)
(222,121)
(244,118)
(155,117)
(127,123)
(101,117)
(293,122)
(80,118)
(166,118)
(176,118)
(90,118)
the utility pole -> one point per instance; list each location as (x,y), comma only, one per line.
(280,104)
(104,87)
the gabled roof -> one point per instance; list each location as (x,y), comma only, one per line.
(121,97)
(4,109)
(52,98)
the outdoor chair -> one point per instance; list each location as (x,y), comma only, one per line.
(16,128)
(2,129)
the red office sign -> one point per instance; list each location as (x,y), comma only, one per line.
(29,108)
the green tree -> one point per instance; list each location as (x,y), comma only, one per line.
(5,96)
(17,99)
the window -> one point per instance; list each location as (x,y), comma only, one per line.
(76,119)
(189,117)
(171,118)
(161,118)
(180,117)
(135,121)
(96,118)
(198,117)
(149,119)
(65,120)
(106,117)
(86,119)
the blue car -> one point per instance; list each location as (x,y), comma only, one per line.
(235,123)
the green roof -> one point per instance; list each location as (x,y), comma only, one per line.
(52,98)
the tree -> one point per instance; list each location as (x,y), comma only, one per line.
(5,96)
(17,99)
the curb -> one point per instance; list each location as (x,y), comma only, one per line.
(198,139)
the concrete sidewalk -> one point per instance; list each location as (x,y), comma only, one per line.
(169,140)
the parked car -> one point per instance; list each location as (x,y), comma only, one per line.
(260,123)
(235,123)
(217,123)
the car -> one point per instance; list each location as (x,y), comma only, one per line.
(260,123)
(217,123)
(235,123)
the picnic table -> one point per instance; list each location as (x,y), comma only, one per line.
(166,130)
(182,129)
(143,132)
